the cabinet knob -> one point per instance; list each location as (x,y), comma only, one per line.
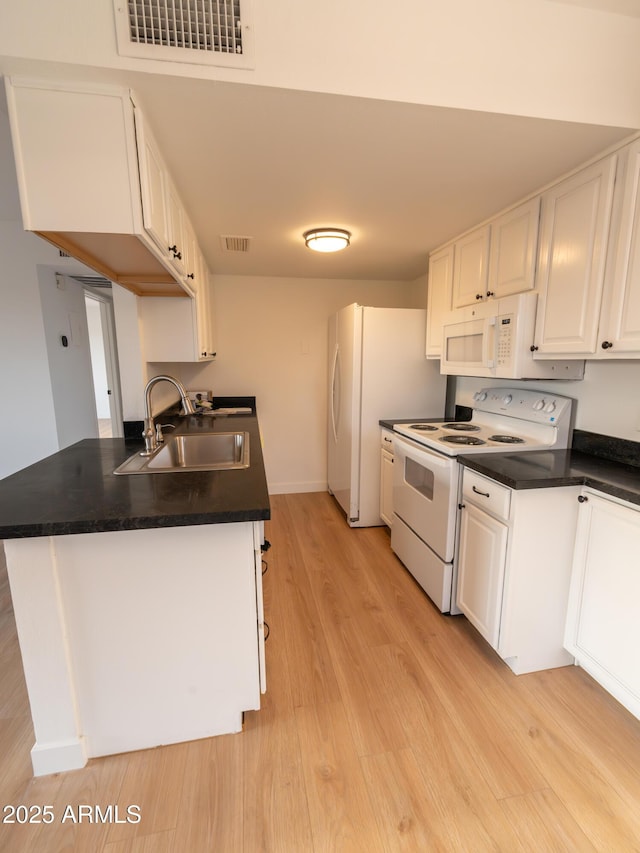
(583,499)
(190,275)
(461,506)
(490,293)
(478,296)
(533,348)
(606,344)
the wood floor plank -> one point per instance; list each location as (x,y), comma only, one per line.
(298,635)
(159,842)
(213,790)
(153,781)
(544,825)
(276,815)
(340,811)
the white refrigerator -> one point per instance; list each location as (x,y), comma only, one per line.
(377,370)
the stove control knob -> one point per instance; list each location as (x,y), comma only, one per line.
(479,396)
(550,407)
(538,405)
(507,399)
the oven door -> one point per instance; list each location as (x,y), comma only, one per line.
(425,492)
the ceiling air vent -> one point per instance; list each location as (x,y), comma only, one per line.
(230,243)
(204,32)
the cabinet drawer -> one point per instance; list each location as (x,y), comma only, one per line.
(386,440)
(488,494)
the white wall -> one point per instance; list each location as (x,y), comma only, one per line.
(272,337)
(64,313)
(607,399)
(520,57)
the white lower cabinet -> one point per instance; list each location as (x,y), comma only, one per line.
(483,552)
(513,574)
(136,638)
(603,629)
(386,477)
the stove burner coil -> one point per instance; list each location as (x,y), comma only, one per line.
(462,439)
(461,426)
(506,439)
(424,427)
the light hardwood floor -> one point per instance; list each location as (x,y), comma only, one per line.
(386,727)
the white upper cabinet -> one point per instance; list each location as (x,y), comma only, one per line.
(471,267)
(512,253)
(438,297)
(574,234)
(153,177)
(92,181)
(619,333)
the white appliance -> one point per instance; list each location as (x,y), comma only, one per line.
(377,369)
(495,339)
(426,474)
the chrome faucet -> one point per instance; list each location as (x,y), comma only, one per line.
(150,435)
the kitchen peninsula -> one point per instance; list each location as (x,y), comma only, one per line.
(138,599)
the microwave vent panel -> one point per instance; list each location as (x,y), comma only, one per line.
(203,32)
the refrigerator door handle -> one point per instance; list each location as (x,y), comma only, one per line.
(335,393)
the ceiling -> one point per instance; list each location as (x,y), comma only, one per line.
(270,163)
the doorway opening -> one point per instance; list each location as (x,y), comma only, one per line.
(104,355)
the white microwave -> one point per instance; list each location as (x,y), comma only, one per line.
(494,339)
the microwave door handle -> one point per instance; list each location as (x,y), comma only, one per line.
(489,342)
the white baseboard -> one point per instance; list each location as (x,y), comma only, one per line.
(296,488)
(58,757)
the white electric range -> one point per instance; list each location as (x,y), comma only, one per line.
(426,474)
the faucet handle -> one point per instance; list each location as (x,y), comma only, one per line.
(159,428)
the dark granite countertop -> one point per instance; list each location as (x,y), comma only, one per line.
(543,469)
(76,491)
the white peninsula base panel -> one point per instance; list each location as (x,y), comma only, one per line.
(134,639)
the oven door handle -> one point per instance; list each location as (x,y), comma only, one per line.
(419,454)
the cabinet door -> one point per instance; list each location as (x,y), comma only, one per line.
(574,231)
(620,327)
(603,628)
(471,267)
(481,565)
(152,184)
(438,298)
(512,256)
(386,487)
(204,312)
(176,239)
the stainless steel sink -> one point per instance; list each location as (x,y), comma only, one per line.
(214,451)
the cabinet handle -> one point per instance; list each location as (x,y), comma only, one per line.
(490,293)
(478,296)
(461,506)
(606,344)
(190,275)
(583,499)
(533,348)
(478,492)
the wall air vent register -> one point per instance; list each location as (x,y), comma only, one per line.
(204,32)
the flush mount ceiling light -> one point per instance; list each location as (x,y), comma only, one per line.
(327,239)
